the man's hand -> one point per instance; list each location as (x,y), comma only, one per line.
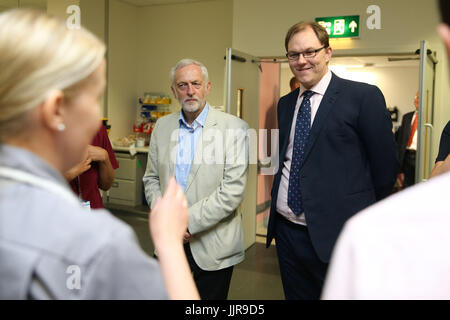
(441,167)
(187,237)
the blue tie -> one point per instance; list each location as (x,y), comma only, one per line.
(302,128)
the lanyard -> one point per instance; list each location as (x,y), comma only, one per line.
(85,204)
(78,183)
(28,178)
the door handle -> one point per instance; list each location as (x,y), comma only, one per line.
(428,143)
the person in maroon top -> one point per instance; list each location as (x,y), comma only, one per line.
(97,171)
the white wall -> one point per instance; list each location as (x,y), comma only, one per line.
(93,16)
(259,28)
(35,4)
(169,33)
(59,7)
(145,42)
(122,68)
(398,84)
(286,75)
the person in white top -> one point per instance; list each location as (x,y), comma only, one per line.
(398,248)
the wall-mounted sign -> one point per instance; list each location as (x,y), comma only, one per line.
(340,27)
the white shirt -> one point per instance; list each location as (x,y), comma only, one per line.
(396,249)
(282,205)
(188,137)
(413,145)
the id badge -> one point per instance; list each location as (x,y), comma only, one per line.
(86,205)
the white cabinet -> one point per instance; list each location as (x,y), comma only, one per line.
(127,185)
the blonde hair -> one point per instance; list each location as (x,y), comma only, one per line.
(39,54)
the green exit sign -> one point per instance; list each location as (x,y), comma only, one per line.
(340,27)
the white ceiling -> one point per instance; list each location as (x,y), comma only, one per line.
(143,3)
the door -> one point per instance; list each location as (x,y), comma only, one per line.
(425,154)
(269,94)
(241,100)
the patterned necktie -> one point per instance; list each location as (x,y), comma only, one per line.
(302,128)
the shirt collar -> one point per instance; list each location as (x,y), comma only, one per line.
(199,121)
(320,87)
(23,159)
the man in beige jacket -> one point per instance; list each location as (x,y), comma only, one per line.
(207,152)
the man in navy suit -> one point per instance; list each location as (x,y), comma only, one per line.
(337,157)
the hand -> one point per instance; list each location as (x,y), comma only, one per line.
(168,224)
(84,166)
(445,167)
(441,167)
(187,237)
(97,153)
(169,218)
(400,179)
(80,168)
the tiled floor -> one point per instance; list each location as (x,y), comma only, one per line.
(256,278)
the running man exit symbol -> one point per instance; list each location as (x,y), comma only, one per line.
(339,26)
(353,25)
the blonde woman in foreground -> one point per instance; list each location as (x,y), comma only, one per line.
(51,82)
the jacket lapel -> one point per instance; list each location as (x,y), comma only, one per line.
(325,106)
(286,122)
(210,122)
(174,127)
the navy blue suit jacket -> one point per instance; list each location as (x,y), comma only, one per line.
(350,162)
(403,134)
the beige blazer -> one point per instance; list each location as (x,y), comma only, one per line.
(215,186)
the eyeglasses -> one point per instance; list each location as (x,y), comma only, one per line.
(182,86)
(293,56)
